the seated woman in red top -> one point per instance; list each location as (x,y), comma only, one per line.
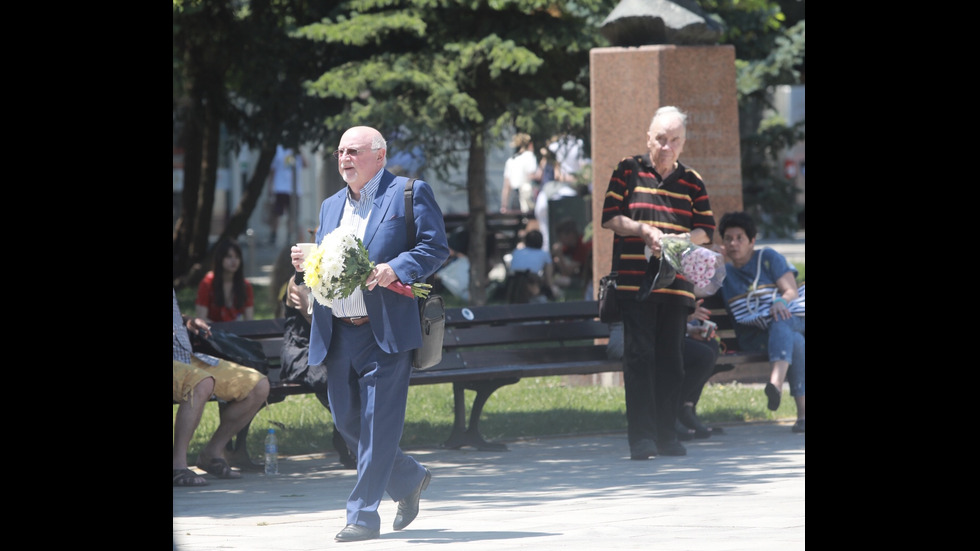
(224,294)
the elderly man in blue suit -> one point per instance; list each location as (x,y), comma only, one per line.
(367,339)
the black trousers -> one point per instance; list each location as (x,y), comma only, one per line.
(699,365)
(653,368)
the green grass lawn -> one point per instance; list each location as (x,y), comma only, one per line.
(534,407)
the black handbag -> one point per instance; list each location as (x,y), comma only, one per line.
(231,347)
(433,314)
(608,304)
(432,310)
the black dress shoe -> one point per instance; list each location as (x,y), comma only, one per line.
(689,419)
(643,449)
(683,433)
(348,460)
(672,447)
(356,532)
(408,508)
(799,426)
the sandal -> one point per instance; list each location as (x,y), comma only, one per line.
(187,477)
(219,468)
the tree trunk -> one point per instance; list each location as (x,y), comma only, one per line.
(209,180)
(191,141)
(200,141)
(476,178)
(252,196)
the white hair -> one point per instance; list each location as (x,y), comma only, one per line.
(670,110)
(378,142)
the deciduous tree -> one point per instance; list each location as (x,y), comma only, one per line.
(455,77)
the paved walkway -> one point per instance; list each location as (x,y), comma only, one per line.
(744,490)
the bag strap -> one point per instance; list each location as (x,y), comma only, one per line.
(753,300)
(758,271)
(410,213)
(410,219)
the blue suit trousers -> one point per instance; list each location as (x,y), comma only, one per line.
(368,393)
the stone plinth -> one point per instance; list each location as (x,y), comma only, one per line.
(629,85)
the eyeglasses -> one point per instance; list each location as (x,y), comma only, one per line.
(348,151)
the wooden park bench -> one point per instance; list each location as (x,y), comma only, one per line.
(488,347)
(734,364)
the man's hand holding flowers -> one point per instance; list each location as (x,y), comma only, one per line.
(651,236)
(340,264)
(382,275)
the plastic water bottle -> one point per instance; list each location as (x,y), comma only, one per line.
(271,453)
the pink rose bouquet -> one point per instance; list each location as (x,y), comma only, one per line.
(702,267)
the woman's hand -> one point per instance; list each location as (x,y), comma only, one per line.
(786,293)
(780,310)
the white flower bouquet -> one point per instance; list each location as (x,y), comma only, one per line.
(340,265)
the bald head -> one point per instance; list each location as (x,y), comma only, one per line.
(363,153)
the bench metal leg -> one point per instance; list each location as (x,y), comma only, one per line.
(463,436)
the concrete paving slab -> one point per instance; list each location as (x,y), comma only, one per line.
(743,490)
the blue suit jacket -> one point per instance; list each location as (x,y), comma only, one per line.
(394,317)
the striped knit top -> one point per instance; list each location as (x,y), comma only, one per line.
(677,204)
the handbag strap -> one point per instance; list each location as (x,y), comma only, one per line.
(758,271)
(410,213)
(410,219)
(754,300)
